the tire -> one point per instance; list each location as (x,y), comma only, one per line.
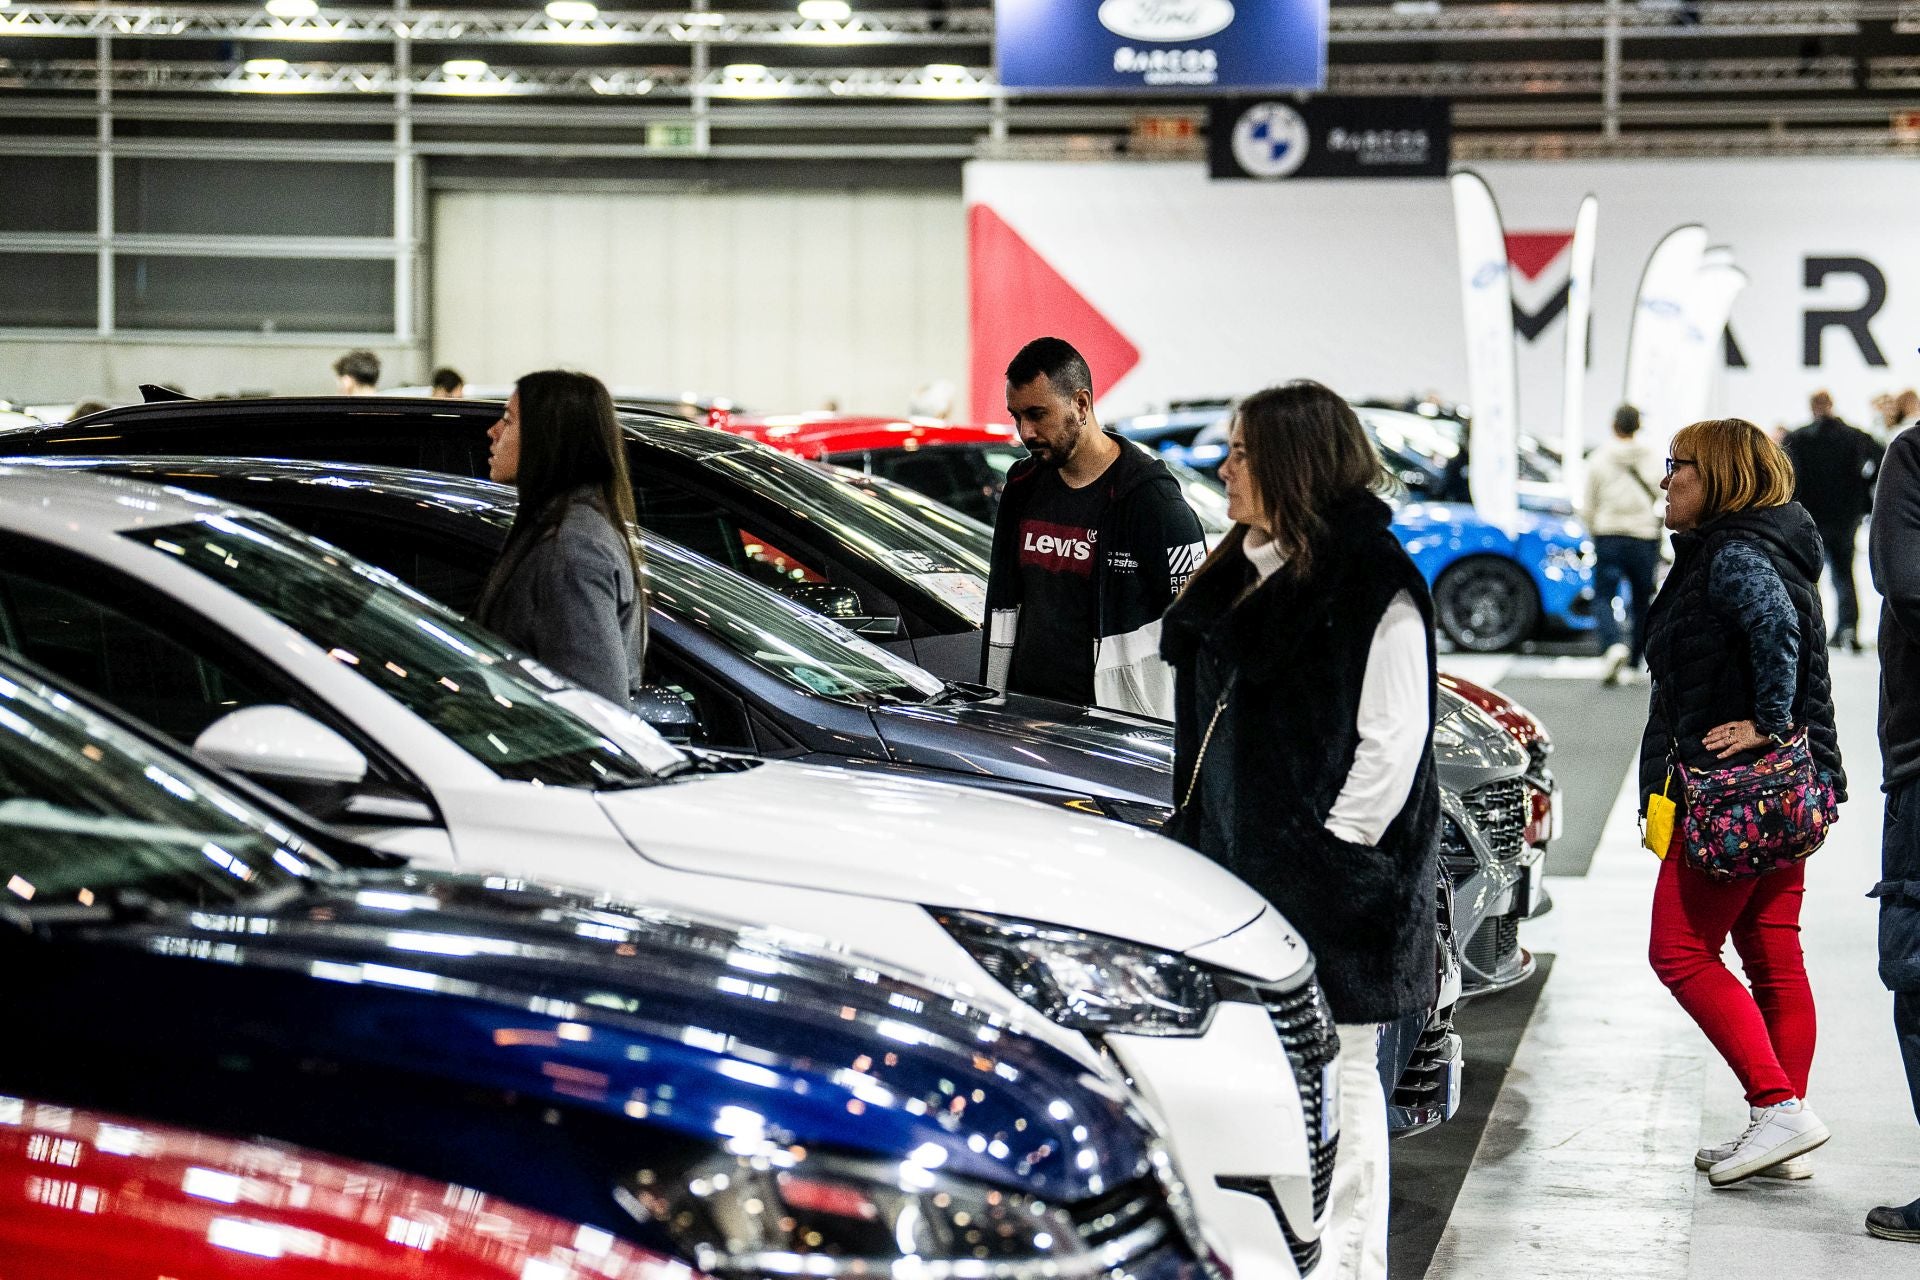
(1486,604)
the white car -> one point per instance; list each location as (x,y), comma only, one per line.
(285,658)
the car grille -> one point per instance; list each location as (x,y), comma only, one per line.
(1495,945)
(1456,855)
(1124,1223)
(1425,1080)
(1499,811)
(1306,1029)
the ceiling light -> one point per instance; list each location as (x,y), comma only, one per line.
(946,71)
(465,67)
(706,19)
(743,71)
(264,66)
(573,11)
(825,10)
(293,8)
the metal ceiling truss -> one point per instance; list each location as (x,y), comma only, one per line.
(1663,19)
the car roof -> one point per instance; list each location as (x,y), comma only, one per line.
(437,487)
(97,502)
(829,432)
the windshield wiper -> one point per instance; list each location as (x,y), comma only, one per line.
(961,691)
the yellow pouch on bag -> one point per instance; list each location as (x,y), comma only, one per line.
(1660,812)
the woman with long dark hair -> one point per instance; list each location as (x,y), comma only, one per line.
(1735,644)
(568,588)
(1304,686)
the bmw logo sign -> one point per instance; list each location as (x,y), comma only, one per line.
(1270,140)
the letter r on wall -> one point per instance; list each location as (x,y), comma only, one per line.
(1855,321)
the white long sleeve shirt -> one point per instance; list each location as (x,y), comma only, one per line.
(1392,720)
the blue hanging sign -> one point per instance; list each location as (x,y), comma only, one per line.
(1179,46)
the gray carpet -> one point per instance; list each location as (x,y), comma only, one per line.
(1596,737)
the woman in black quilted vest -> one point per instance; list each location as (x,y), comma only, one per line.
(1735,645)
(1303,677)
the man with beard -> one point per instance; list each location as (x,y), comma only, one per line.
(1091,544)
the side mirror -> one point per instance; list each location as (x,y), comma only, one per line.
(842,604)
(670,714)
(281,744)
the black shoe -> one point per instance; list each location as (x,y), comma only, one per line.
(1895,1223)
(1844,638)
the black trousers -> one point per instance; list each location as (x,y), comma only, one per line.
(1839,539)
(1906,1025)
(1618,560)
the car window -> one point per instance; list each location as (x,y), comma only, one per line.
(89,811)
(942,474)
(508,712)
(110,650)
(878,532)
(451,573)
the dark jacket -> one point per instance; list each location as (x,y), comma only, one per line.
(568,599)
(1834,466)
(1700,653)
(1893,555)
(1291,658)
(1150,542)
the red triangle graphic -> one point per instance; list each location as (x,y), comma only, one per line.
(1532,252)
(1017,296)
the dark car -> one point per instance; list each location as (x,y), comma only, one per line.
(769,515)
(738,1100)
(751,669)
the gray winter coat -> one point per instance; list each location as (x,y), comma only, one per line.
(572,603)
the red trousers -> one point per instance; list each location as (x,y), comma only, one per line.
(1766,1034)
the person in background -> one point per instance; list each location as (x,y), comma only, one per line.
(1893,558)
(84,407)
(1090,545)
(1834,465)
(1622,511)
(1303,654)
(1906,411)
(1734,644)
(568,588)
(1885,414)
(358,373)
(448,384)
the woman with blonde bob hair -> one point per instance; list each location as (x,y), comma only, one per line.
(1735,642)
(1303,666)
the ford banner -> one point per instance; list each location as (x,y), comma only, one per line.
(1163,46)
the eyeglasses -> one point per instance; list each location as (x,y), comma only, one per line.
(1674,464)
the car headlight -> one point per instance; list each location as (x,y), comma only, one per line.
(827,1215)
(1086,981)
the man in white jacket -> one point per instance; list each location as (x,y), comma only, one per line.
(1622,511)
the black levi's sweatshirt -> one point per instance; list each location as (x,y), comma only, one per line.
(1894,554)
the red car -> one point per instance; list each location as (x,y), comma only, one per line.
(962,466)
(88,1194)
(1543,815)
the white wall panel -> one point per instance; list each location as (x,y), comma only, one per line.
(783,301)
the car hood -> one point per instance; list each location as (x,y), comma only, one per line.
(551,994)
(935,845)
(1548,526)
(1470,747)
(1034,740)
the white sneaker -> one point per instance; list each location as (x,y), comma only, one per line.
(1614,658)
(1798,1169)
(1774,1136)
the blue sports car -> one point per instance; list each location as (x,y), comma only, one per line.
(1491,589)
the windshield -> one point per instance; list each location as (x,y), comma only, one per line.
(941,568)
(777,635)
(957,527)
(507,712)
(89,812)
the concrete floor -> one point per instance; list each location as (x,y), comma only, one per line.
(1585,1168)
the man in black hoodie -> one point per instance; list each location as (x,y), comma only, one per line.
(1092,542)
(1893,556)
(1834,465)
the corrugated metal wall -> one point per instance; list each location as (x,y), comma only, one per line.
(783,301)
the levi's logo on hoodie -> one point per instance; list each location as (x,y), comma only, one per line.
(1056,548)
